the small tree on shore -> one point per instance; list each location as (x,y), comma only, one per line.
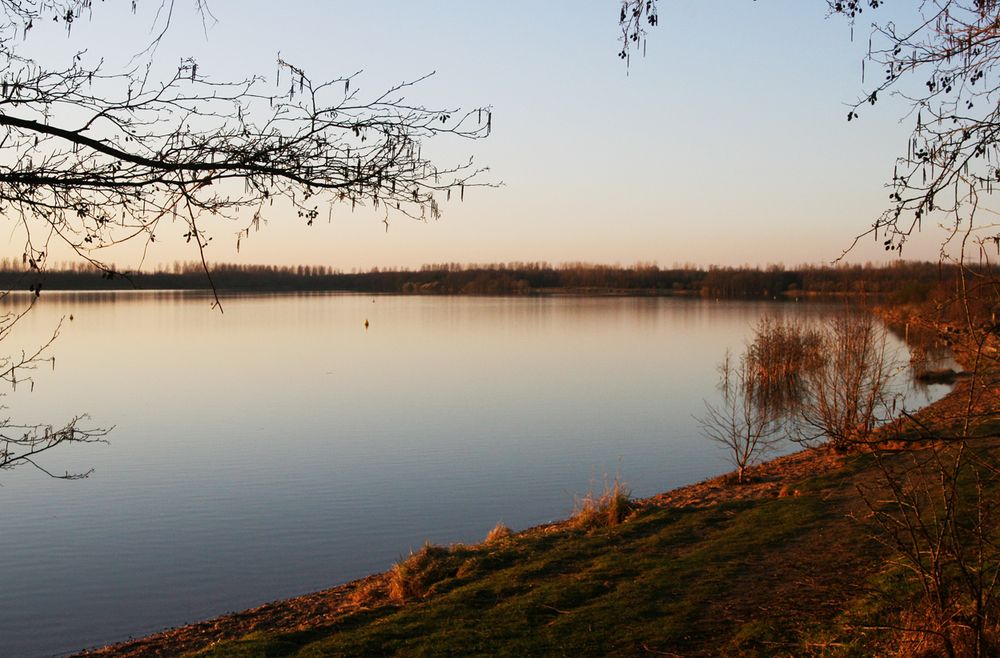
(744,424)
(845,397)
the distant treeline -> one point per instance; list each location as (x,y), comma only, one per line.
(901,281)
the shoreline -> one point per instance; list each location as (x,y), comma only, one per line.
(779,477)
(769,479)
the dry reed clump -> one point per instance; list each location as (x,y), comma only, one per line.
(781,351)
(927,635)
(499,532)
(605,510)
(414,577)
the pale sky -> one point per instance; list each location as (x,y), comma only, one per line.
(727,144)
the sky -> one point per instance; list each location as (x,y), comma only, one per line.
(726,144)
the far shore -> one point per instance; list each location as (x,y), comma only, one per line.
(541,292)
(899,281)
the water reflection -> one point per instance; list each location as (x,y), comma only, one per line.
(279,447)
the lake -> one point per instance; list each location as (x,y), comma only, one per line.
(282,447)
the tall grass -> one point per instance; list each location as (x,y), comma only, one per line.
(606,509)
(499,533)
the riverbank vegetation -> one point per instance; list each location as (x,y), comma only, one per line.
(686,576)
(885,546)
(824,382)
(786,565)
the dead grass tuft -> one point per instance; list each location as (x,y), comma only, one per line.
(787,491)
(929,636)
(414,577)
(370,592)
(499,532)
(605,510)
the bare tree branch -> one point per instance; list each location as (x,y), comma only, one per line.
(100,158)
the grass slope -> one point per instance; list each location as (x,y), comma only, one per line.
(747,577)
(786,565)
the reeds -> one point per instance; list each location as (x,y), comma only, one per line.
(781,354)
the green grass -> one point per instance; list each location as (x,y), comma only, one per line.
(792,575)
(647,584)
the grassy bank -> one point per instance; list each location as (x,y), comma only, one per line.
(781,566)
(788,564)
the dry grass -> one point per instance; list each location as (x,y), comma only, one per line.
(604,510)
(785,491)
(414,577)
(369,593)
(499,532)
(925,634)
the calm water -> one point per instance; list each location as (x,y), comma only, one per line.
(281,447)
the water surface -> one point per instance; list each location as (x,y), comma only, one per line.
(281,447)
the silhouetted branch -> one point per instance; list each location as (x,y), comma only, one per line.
(635,15)
(102,157)
(23,444)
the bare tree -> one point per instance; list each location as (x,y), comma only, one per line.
(635,15)
(934,506)
(936,509)
(827,384)
(744,424)
(23,444)
(847,396)
(942,64)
